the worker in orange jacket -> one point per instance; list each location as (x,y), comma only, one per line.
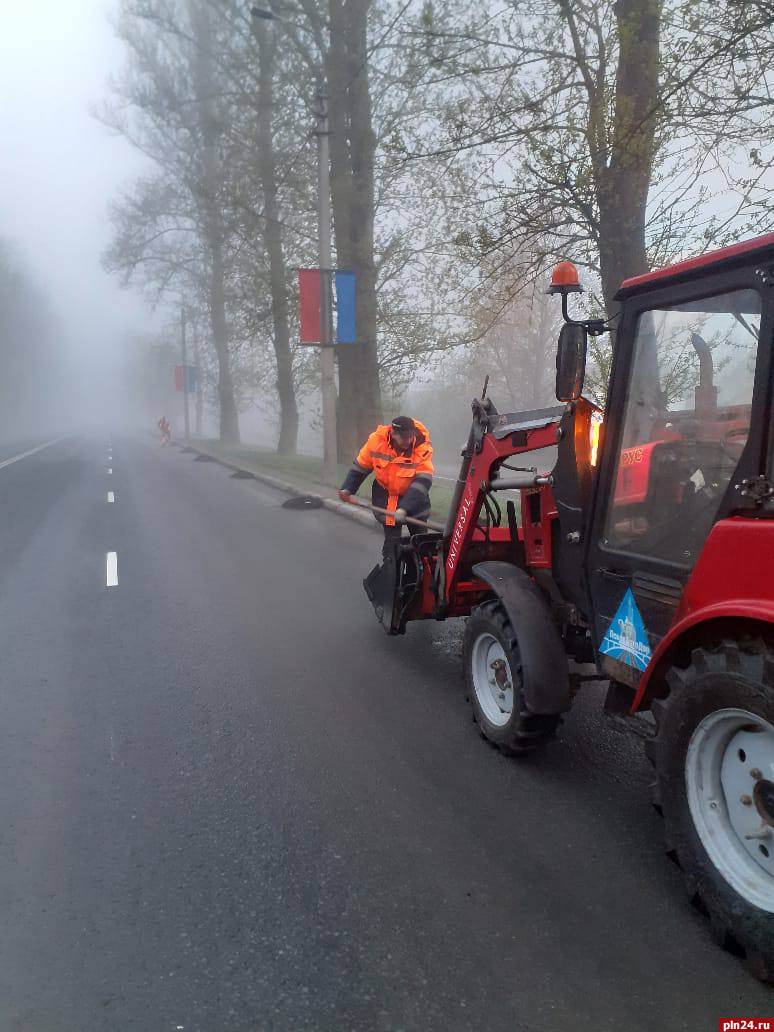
(401,458)
(165,427)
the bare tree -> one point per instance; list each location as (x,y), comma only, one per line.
(171,228)
(272,235)
(208,188)
(604,125)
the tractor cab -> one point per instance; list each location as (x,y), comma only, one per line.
(686,440)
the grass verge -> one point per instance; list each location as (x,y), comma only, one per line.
(306,470)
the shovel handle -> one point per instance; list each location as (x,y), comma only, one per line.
(425,524)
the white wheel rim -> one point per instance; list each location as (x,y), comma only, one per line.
(729,777)
(492,679)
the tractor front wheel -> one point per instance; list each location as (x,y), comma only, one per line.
(493,675)
(714,760)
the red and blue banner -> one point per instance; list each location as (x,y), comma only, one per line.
(186,378)
(311,283)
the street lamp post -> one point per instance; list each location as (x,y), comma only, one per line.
(327,359)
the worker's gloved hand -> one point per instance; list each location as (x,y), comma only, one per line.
(345,495)
(400,515)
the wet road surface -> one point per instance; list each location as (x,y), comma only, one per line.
(229,802)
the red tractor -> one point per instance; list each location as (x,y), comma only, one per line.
(648,551)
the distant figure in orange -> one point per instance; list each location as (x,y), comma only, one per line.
(166,431)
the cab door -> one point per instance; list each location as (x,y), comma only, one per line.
(684,427)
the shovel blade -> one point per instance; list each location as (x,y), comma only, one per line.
(381,586)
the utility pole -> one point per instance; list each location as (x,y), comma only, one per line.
(199,404)
(327,356)
(184,351)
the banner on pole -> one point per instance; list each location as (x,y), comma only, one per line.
(345,308)
(314,286)
(186,379)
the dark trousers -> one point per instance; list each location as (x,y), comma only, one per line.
(392,536)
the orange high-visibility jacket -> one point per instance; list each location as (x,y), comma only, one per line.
(397,472)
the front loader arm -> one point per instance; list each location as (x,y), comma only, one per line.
(500,438)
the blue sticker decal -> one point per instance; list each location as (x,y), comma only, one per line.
(626,639)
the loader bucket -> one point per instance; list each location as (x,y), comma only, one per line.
(391,587)
(380,585)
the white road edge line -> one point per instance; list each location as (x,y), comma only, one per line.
(110,496)
(32,451)
(112,569)
(110,469)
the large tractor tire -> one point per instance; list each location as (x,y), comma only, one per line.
(714,759)
(493,676)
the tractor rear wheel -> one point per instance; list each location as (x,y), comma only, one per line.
(493,676)
(714,760)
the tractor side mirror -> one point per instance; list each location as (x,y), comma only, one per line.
(571,362)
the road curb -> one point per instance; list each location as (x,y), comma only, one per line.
(331,504)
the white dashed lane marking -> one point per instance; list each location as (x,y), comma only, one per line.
(112,569)
(32,451)
(111,559)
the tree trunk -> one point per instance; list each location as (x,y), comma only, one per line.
(272,236)
(623,184)
(212,221)
(353,144)
(199,404)
(229,418)
(348,358)
(362,154)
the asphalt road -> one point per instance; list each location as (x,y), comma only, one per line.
(229,802)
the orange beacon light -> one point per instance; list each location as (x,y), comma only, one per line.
(564,279)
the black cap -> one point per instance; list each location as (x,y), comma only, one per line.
(403,424)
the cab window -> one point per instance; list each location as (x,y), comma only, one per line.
(686,421)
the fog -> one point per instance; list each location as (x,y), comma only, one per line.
(59,167)
(86,351)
